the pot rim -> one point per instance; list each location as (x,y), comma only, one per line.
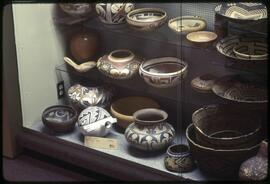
(48,109)
(164,60)
(219,138)
(145,10)
(216,150)
(121,59)
(178,154)
(159,112)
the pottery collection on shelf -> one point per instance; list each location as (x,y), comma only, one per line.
(221,138)
(150,131)
(113,13)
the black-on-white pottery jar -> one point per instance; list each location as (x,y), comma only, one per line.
(150,131)
(95,121)
(113,13)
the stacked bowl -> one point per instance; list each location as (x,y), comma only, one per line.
(221,137)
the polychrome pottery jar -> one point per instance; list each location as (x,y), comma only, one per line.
(150,131)
(113,13)
(119,64)
(179,159)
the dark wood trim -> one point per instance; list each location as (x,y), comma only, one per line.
(12,113)
(90,159)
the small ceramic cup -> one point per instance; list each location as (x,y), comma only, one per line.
(178,159)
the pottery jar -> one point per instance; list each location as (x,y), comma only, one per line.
(119,64)
(179,159)
(150,131)
(113,13)
(84,45)
(255,168)
(95,121)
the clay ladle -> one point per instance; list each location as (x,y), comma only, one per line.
(84,67)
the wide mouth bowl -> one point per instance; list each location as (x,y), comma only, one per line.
(76,8)
(202,36)
(234,11)
(150,116)
(60,114)
(251,50)
(190,135)
(121,55)
(178,150)
(166,66)
(187,23)
(147,15)
(226,123)
(124,108)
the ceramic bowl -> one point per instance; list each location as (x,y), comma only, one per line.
(202,36)
(226,126)
(163,72)
(179,159)
(60,118)
(226,45)
(124,108)
(203,83)
(218,162)
(242,12)
(146,19)
(241,88)
(113,13)
(76,9)
(251,50)
(83,97)
(187,24)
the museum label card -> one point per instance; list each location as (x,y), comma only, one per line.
(100,142)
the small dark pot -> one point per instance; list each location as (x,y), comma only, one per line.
(60,118)
(178,159)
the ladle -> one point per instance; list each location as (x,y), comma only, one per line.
(84,67)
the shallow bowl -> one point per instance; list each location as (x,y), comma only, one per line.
(124,108)
(163,72)
(251,50)
(202,36)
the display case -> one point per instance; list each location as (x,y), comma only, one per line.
(143,91)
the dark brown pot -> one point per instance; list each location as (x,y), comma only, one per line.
(60,118)
(84,45)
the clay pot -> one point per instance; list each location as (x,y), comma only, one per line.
(119,64)
(60,118)
(77,9)
(150,131)
(179,159)
(84,44)
(255,168)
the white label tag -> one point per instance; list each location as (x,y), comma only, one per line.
(100,142)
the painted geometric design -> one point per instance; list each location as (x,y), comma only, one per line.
(242,11)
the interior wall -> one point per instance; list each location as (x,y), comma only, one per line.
(39,50)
